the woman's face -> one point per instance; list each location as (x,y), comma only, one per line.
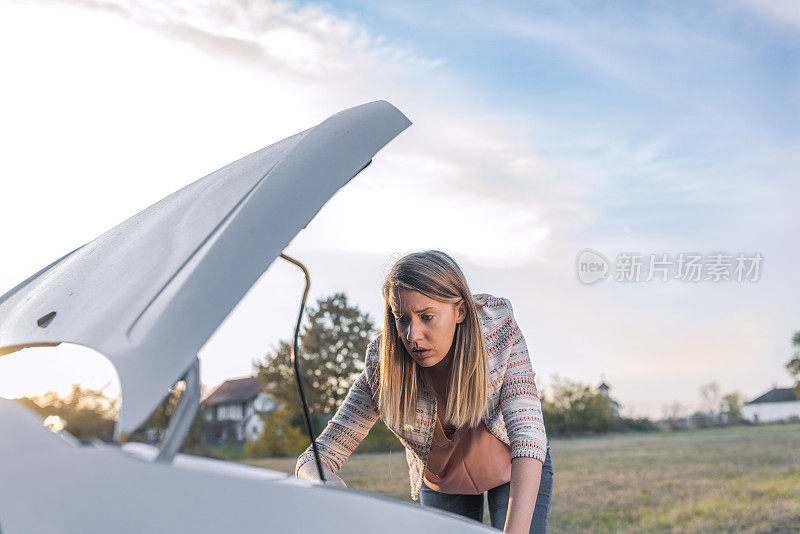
(427,326)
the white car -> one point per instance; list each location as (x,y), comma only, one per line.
(148,294)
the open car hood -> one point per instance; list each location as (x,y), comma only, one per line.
(150,292)
(51,485)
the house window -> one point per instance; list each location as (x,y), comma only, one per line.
(229,412)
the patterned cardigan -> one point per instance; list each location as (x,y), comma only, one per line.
(513,410)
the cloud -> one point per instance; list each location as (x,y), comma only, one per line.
(654,106)
(452,163)
(305,40)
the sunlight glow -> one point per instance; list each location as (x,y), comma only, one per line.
(55,423)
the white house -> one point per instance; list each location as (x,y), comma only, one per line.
(777,404)
(603,389)
(232,411)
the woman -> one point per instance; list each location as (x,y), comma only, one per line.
(450,375)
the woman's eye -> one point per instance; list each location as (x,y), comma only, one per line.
(401,320)
(427,317)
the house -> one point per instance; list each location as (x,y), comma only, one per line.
(603,389)
(777,404)
(233,412)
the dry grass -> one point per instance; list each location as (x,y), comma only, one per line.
(739,479)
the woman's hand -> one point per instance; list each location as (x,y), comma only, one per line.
(309,471)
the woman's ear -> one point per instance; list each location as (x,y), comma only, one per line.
(462,311)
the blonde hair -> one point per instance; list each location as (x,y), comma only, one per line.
(437,276)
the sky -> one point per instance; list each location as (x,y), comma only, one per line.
(539,131)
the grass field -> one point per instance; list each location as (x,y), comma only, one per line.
(737,479)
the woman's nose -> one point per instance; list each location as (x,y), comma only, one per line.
(414,332)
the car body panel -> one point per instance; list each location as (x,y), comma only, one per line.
(63,488)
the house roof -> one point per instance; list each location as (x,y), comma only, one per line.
(776,395)
(235,390)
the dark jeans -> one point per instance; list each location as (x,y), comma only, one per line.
(472,505)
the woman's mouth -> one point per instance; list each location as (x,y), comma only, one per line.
(422,353)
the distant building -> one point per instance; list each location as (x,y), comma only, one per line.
(777,404)
(232,412)
(603,388)
(706,419)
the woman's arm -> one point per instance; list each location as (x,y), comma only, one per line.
(522,414)
(525,476)
(519,398)
(348,427)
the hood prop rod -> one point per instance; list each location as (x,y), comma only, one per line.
(181,420)
(296,365)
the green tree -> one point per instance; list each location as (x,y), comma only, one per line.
(333,342)
(159,419)
(793,366)
(572,407)
(87,413)
(157,422)
(90,414)
(731,404)
(279,438)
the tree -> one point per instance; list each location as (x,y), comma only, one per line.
(87,413)
(574,407)
(731,404)
(793,366)
(157,423)
(674,411)
(332,343)
(159,419)
(279,438)
(90,414)
(710,395)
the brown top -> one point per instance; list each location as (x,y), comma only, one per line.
(466,460)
